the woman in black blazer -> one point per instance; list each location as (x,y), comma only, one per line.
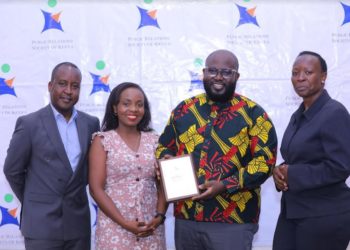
(315,204)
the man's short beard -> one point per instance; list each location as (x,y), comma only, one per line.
(224,97)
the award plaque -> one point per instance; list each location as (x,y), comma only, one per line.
(178,177)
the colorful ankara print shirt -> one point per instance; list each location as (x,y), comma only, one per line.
(234,142)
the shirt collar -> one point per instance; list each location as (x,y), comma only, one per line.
(58,114)
(315,107)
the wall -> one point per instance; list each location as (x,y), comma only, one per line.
(162,45)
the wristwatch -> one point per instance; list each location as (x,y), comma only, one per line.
(158,214)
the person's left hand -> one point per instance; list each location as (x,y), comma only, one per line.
(212,189)
(155,222)
(284,171)
(140,229)
(157,170)
(280,177)
(152,225)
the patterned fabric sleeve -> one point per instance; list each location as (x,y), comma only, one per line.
(167,140)
(263,148)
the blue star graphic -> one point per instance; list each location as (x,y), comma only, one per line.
(147,18)
(346,14)
(7,218)
(245,16)
(5,89)
(98,85)
(50,22)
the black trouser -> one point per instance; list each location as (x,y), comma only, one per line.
(192,235)
(330,232)
(76,244)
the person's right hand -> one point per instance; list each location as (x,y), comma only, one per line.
(279,177)
(140,229)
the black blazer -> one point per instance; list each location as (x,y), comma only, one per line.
(316,146)
(53,198)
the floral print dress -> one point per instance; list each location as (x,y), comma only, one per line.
(131,185)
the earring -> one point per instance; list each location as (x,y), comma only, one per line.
(115,114)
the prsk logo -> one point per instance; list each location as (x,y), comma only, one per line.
(100,83)
(148,17)
(8,216)
(6,85)
(196,78)
(346,13)
(52,20)
(247,15)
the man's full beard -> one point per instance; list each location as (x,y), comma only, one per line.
(216,97)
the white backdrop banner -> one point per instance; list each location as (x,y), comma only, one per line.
(162,46)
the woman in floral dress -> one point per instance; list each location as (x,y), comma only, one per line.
(122,175)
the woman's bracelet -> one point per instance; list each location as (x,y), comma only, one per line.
(162,215)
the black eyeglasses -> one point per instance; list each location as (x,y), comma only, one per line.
(225,73)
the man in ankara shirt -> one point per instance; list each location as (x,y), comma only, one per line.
(233,144)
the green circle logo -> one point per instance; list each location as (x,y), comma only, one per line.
(52,3)
(100,65)
(246,0)
(5,68)
(198,62)
(148,1)
(8,198)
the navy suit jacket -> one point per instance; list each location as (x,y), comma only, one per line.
(53,198)
(316,146)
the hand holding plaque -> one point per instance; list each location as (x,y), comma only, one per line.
(178,177)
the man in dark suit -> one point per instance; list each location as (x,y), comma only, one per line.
(46,166)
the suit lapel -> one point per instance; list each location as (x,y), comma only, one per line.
(54,135)
(290,132)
